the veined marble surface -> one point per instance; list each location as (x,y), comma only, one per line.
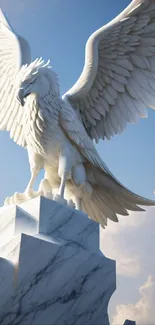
(55,272)
(60,285)
(49,220)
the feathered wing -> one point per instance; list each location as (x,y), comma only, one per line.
(14,52)
(109,198)
(118,79)
(115,87)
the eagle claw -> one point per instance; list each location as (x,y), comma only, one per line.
(19,198)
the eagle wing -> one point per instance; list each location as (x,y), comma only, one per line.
(14,53)
(118,79)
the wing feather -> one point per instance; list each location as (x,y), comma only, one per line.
(14,52)
(118,78)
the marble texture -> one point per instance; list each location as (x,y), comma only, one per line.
(51,268)
(6,281)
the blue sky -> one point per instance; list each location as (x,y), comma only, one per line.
(58,30)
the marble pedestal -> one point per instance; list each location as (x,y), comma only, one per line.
(51,269)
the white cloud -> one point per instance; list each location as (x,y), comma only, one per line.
(143,312)
(131,243)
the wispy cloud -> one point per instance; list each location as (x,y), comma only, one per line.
(131,242)
(143,312)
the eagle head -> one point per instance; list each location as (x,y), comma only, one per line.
(37,78)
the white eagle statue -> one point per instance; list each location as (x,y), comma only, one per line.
(116,86)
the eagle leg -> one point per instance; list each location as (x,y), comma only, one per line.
(59,197)
(64,172)
(29,193)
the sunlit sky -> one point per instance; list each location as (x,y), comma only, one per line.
(58,30)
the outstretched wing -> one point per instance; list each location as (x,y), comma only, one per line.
(118,79)
(14,52)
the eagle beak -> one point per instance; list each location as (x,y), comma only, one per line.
(21,95)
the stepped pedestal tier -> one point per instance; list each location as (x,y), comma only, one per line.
(51,268)
(52,271)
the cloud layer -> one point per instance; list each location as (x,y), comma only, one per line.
(131,243)
(143,312)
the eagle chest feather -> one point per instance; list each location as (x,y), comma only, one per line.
(40,122)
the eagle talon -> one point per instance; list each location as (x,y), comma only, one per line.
(58,198)
(30,193)
(19,198)
(71,204)
(45,188)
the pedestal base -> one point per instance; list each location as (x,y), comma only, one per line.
(51,268)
